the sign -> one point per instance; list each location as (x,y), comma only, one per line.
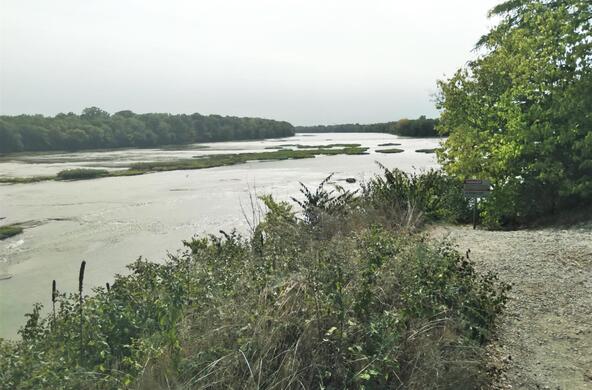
(476,188)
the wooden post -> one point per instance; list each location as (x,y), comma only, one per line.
(80,286)
(475,214)
(54,295)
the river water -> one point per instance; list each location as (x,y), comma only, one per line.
(110,222)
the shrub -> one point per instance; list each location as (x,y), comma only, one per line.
(405,197)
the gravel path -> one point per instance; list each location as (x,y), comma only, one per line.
(545,336)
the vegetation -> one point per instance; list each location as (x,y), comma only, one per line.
(342,296)
(216,160)
(390,144)
(9,231)
(25,180)
(95,129)
(429,151)
(519,115)
(200,162)
(391,150)
(421,127)
(300,146)
(81,174)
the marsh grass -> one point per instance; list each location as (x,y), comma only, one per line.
(390,144)
(7,231)
(428,151)
(81,174)
(198,162)
(391,150)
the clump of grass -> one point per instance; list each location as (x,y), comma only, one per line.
(25,180)
(9,231)
(390,144)
(81,174)
(433,150)
(301,146)
(391,150)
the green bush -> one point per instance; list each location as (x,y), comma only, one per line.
(431,194)
(81,174)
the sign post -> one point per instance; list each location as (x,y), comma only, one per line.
(475,189)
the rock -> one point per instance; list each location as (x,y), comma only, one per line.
(350,180)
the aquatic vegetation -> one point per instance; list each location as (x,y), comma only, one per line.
(9,231)
(198,162)
(81,174)
(391,150)
(429,151)
(390,144)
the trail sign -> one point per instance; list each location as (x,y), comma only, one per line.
(476,188)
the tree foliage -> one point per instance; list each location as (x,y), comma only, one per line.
(96,128)
(521,113)
(420,127)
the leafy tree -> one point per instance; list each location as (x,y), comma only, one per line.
(521,113)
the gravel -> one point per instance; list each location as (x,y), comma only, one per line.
(544,339)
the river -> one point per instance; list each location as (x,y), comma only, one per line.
(110,222)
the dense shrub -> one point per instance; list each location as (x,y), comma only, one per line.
(306,302)
(431,195)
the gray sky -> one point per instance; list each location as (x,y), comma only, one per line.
(304,61)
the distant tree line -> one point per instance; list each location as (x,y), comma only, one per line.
(421,127)
(96,128)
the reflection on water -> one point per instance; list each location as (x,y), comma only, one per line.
(110,222)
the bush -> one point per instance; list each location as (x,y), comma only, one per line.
(81,174)
(431,195)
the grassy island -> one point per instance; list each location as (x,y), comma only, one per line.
(390,150)
(9,231)
(427,151)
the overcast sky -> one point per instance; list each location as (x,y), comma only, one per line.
(304,61)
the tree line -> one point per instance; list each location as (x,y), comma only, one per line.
(95,128)
(420,127)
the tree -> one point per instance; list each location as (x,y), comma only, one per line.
(521,113)
(10,139)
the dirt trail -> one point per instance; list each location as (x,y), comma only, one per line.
(545,336)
